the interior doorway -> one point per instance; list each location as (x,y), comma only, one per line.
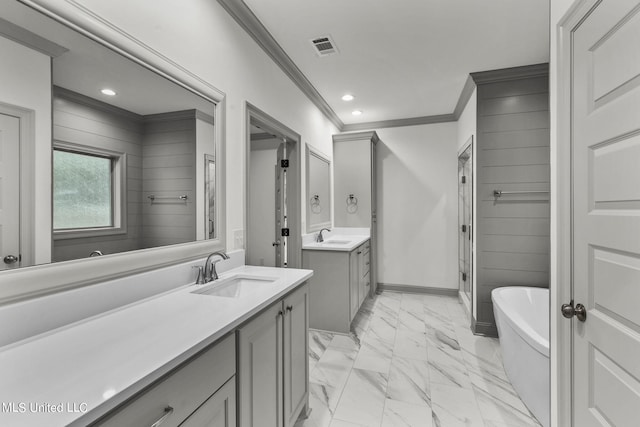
(9,191)
(272,222)
(17,188)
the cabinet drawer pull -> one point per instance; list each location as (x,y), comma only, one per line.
(289,308)
(167,412)
(366,263)
(359,252)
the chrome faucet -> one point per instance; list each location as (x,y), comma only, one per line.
(210,273)
(319,238)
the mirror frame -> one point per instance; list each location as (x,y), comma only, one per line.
(28,282)
(312,151)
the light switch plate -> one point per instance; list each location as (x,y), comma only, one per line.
(238,239)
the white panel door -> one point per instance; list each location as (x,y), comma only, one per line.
(9,191)
(606,214)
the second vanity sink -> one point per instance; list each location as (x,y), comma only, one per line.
(336,242)
(235,286)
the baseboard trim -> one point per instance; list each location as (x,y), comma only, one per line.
(484,328)
(416,289)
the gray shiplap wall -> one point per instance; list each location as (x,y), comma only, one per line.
(161,156)
(84,121)
(168,171)
(512,155)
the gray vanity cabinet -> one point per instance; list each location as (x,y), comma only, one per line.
(339,286)
(354,195)
(364,263)
(273,363)
(199,392)
(218,411)
(354,284)
(359,284)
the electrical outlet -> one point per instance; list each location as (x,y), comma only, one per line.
(238,239)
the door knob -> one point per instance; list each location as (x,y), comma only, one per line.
(568,311)
(10,259)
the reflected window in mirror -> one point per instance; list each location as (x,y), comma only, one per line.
(86,193)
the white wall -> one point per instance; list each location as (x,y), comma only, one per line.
(418,205)
(26,83)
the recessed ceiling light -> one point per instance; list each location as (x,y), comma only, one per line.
(347,97)
(108,92)
(356,112)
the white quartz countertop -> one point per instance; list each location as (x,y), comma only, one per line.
(75,374)
(337,242)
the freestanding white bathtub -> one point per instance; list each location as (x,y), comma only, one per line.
(522,317)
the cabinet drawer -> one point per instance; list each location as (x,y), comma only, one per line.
(367,283)
(183,390)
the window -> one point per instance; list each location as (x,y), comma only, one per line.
(87,192)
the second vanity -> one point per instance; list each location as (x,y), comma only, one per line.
(180,357)
(341,279)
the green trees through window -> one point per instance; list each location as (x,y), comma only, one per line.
(82,190)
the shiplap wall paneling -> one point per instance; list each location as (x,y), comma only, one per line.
(85,121)
(169,171)
(513,155)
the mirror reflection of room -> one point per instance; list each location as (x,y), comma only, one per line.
(130,150)
(318,190)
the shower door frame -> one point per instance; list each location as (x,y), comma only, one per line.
(468,146)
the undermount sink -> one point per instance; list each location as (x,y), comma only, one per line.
(337,242)
(234,287)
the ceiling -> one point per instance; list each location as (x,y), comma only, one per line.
(408,58)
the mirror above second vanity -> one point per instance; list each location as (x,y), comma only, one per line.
(120,153)
(318,189)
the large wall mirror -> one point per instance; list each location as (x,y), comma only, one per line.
(318,189)
(128,155)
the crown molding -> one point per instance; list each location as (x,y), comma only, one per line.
(261,136)
(241,13)
(357,136)
(60,92)
(513,73)
(31,40)
(252,25)
(178,115)
(464,97)
(412,121)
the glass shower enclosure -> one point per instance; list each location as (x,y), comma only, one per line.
(465,219)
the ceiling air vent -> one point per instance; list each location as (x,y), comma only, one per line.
(324,46)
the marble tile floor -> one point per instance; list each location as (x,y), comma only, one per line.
(411,360)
